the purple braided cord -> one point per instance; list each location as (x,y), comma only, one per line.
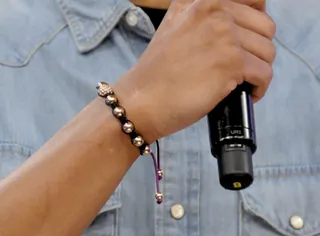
(156,171)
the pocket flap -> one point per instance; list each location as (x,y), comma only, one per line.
(278,194)
(26,26)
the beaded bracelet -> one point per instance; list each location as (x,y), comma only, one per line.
(105,91)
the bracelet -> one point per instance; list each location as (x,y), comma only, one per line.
(105,91)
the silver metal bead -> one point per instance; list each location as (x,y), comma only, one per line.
(138,141)
(159,197)
(128,127)
(160,174)
(146,150)
(104,89)
(111,99)
(118,112)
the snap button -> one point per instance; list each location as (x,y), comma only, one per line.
(132,19)
(177,211)
(296,222)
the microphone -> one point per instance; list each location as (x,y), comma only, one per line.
(233,139)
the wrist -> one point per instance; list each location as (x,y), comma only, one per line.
(111,132)
(137,127)
(137,106)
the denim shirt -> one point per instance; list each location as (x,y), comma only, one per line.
(52,54)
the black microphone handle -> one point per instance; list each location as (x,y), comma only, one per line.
(233,139)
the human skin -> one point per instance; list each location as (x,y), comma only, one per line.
(51,187)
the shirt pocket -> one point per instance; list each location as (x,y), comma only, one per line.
(25,27)
(282,201)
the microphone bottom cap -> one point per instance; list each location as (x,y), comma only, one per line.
(235,167)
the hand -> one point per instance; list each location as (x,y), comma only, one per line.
(256,31)
(256,4)
(201,52)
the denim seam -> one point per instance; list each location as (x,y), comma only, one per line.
(116,225)
(288,175)
(13,148)
(36,48)
(199,184)
(255,212)
(240,217)
(303,170)
(105,25)
(299,56)
(112,207)
(250,208)
(72,20)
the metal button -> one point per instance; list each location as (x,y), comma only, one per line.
(132,19)
(296,222)
(177,211)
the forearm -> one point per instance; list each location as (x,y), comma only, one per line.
(80,166)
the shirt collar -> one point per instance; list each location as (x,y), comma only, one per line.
(90,21)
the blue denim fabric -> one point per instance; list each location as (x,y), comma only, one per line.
(52,54)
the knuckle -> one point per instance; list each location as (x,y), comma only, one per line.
(205,7)
(270,52)
(212,5)
(217,32)
(223,24)
(237,54)
(270,27)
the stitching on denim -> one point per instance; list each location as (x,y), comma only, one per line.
(199,177)
(105,28)
(105,25)
(36,48)
(302,170)
(265,176)
(117,223)
(299,56)
(240,217)
(255,212)
(72,20)
(305,170)
(250,208)
(16,148)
